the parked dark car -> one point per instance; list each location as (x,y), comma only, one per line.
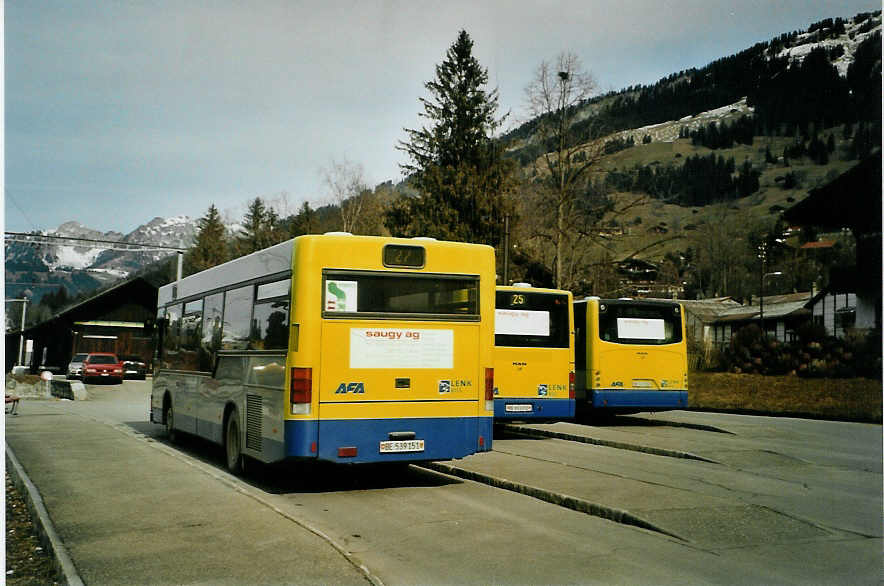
(133,367)
(102,366)
(75,367)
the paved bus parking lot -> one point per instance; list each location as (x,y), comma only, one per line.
(724,498)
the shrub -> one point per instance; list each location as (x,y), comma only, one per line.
(814,354)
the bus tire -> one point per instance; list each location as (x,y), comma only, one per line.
(169,422)
(232,446)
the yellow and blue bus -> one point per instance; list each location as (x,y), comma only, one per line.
(631,355)
(533,354)
(341,348)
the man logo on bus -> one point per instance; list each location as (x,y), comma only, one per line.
(355,388)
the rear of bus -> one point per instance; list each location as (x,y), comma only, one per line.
(391,352)
(533,354)
(631,355)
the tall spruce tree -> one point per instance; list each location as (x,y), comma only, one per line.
(209,245)
(458,170)
(258,225)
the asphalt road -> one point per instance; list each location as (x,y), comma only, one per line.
(659,499)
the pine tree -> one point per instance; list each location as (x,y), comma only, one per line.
(209,245)
(305,222)
(457,169)
(257,228)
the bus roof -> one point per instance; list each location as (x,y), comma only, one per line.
(631,301)
(276,260)
(533,289)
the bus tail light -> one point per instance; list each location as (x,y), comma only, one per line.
(572,393)
(301,390)
(347,452)
(489,389)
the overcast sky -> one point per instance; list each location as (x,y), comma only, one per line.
(117,112)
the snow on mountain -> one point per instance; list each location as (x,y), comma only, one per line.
(668,131)
(45,265)
(174,232)
(855,32)
(177,231)
(71,257)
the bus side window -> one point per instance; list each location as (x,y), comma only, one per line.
(270,317)
(213,312)
(158,337)
(171,337)
(191,323)
(237,318)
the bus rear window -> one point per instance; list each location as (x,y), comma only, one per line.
(397,295)
(639,324)
(535,320)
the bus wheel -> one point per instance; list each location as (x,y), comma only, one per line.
(231,443)
(171,434)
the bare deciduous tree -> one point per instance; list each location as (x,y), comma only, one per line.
(554,98)
(347,189)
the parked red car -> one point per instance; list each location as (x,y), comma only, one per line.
(103,366)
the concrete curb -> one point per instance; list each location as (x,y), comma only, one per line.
(62,562)
(67,389)
(531,432)
(562,500)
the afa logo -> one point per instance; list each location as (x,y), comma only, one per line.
(355,388)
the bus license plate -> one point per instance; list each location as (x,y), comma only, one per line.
(399,446)
(519,408)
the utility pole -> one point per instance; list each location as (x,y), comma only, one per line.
(506,249)
(21,338)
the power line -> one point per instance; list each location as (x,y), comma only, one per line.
(15,203)
(26,238)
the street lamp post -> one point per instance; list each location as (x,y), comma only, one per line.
(761,297)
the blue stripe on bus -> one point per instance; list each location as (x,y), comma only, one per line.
(444,438)
(603,399)
(540,408)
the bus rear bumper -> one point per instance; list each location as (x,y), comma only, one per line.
(359,441)
(639,400)
(514,408)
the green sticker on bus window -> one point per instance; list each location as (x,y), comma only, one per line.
(341,295)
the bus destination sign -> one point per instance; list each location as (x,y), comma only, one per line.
(398,255)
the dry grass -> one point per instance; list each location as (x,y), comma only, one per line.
(855,399)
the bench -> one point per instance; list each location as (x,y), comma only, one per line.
(12,404)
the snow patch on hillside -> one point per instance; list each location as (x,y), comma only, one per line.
(116,273)
(73,257)
(668,131)
(842,63)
